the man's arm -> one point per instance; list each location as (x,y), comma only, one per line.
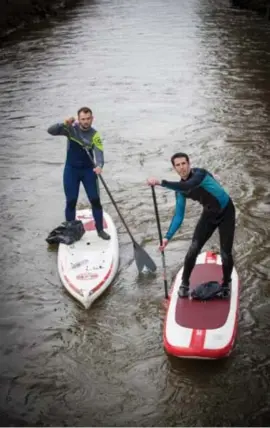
(61,128)
(98,150)
(178,217)
(185,185)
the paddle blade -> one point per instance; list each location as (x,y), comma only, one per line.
(143,260)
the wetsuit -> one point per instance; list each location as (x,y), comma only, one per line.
(218,212)
(78,168)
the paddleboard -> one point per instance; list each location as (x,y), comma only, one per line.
(196,329)
(87,267)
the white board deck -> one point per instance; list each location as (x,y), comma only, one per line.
(88,266)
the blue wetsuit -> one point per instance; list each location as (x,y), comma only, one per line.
(78,168)
(218,212)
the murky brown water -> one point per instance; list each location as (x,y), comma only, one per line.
(160,77)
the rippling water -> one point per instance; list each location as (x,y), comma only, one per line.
(160,77)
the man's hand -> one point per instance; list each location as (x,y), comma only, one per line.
(153,181)
(69,121)
(164,244)
(97,170)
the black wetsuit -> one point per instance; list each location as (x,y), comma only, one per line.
(218,212)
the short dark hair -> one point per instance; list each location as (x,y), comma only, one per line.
(84,110)
(179,155)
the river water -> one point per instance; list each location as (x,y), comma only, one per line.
(160,77)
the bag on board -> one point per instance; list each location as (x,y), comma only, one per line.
(67,233)
(207,291)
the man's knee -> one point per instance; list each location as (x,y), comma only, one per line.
(193,250)
(226,257)
(71,203)
(96,203)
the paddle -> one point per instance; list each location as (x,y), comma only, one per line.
(160,240)
(141,257)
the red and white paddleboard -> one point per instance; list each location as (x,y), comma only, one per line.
(196,329)
(88,266)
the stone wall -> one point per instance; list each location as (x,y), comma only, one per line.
(15,13)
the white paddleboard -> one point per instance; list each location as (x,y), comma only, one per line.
(196,329)
(88,266)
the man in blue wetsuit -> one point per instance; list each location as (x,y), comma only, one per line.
(78,166)
(218,212)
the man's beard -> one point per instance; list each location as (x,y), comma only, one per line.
(85,126)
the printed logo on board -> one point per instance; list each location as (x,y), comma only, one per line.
(78,264)
(87,275)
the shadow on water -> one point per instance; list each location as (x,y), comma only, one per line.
(199,370)
(260,7)
(9,421)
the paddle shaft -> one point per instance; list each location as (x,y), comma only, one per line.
(111,197)
(143,260)
(160,240)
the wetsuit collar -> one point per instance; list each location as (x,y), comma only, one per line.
(188,177)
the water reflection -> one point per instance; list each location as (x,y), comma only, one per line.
(192,76)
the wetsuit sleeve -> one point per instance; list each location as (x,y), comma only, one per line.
(98,150)
(197,177)
(59,129)
(178,217)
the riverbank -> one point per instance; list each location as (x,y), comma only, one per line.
(17,13)
(260,6)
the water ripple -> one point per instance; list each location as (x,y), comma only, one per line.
(190,76)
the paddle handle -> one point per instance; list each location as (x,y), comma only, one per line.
(111,197)
(160,240)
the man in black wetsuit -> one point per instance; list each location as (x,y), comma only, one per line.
(218,212)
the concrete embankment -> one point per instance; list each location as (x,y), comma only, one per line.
(16,13)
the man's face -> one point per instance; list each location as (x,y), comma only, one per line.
(182,167)
(85,120)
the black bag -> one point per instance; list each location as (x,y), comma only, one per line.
(207,290)
(67,233)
